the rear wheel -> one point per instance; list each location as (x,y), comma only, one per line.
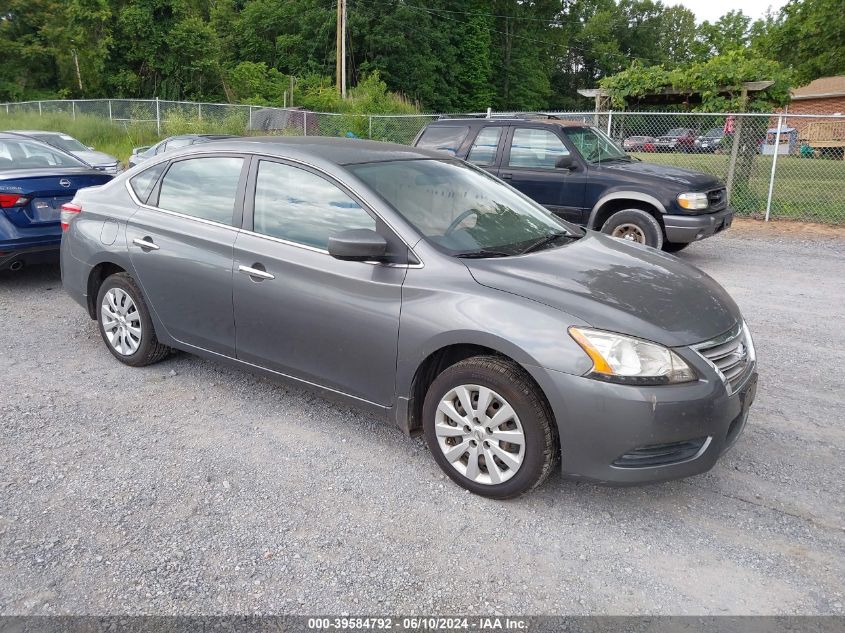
(489,428)
(635,225)
(674,247)
(125,323)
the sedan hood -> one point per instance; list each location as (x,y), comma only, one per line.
(95,158)
(694,180)
(617,286)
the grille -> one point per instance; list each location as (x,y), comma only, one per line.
(730,355)
(661,454)
(717,199)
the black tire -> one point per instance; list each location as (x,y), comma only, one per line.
(149,349)
(643,220)
(674,247)
(524,396)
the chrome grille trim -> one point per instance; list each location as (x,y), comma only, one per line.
(729,355)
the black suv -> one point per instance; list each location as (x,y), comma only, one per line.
(580,174)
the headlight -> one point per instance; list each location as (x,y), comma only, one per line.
(693,200)
(629,360)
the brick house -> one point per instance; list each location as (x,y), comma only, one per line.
(825,95)
(821,96)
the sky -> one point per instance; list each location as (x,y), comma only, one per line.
(712,10)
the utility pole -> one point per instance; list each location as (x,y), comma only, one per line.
(340,48)
(343,51)
(338,38)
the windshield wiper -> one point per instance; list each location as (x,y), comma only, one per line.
(544,241)
(483,254)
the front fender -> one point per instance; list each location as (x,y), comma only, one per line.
(623,194)
(530,333)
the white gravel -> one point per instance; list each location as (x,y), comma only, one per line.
(193,488)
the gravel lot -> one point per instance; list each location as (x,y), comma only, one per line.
(190,487)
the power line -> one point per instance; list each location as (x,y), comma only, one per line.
(436,12)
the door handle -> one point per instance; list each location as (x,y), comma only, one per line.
(256,272)
(146,243)
(506,176)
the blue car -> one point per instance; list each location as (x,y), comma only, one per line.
(36,179)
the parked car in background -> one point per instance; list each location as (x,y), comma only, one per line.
(679,139)
(35,180)
(140,154)
(295,257)
(580,174)
(711,141)
(637,143)
(97,160)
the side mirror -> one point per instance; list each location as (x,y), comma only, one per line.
(357,245)
(564,162)
(138,150)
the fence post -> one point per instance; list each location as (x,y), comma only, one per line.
(199,111)
(774,167)
(369,134)
(609,122)
(305,123)
(249,125)
(39,109)
(73,109)
(158,118)
(110,116)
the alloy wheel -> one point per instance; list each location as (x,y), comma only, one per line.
(480,434)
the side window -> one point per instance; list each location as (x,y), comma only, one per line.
(202,187)
(143,183)
(445,138)
(295,205)
(539,149)
(483,151)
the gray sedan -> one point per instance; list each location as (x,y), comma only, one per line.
(97,160)
(427,291)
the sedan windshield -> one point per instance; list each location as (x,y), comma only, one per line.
(595,146)
(462,209)
(21,154)
(62,141)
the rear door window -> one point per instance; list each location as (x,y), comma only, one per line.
(204,188)
(535,149)
(444,138)
(483,150)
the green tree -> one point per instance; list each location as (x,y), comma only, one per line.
(809,36)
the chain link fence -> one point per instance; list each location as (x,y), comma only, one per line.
(777,165)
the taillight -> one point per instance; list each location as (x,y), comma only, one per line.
(8,200)
(69,211)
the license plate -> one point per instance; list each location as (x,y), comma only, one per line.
(47,209)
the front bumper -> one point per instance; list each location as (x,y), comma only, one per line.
(683,229)
(611,433)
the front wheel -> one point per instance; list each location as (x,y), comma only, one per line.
(489,428)
(125,323)
(635,225)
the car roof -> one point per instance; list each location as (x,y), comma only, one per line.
(338,151)
(50,132)
(549,120)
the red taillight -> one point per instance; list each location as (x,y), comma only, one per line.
(8,200)
(69,211)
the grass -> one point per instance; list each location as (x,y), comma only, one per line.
(105,136)
(811,189)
